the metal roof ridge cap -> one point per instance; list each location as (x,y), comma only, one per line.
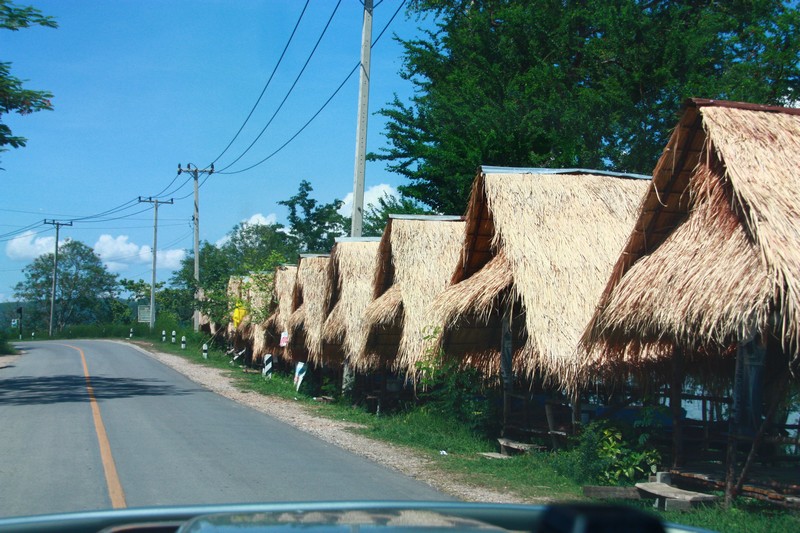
(444,218)
(357,239)
(488,169)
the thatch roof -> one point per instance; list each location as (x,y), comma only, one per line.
(259,293)
(206,324)
(235,293)
(352,272)
(713,256)
(542,241)
(415,260)
(282,302)
(310,306)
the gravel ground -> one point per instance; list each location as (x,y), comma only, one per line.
(336,432)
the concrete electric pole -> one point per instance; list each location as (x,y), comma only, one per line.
(361,129)
(55,270)
(155,203)
(195,172)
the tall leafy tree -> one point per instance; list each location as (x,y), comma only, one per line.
(14,97)
(85,291)
(575,83)
(314,226)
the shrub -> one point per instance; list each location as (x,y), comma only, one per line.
(601,454)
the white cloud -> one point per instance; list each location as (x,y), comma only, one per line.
(256,220)
(371,197)
(118,253)
(260,220)
(27,246)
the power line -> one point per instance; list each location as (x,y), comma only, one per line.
(324,105)
(291,89)
(302,128)
(274,70)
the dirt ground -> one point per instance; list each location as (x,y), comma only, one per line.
(339,433)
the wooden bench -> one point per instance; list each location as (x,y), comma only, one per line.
(511,447)
(671,498)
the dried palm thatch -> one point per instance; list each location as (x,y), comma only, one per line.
(206,324)
(543,242)
(259,294)
(234,294)
(351,271)
(310,304)
(414,263)
(282,302)
(715,253)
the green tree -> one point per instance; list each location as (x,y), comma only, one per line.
(85,290)
(377,215)
(314,227)
(14,97)
(590,83)
(255,247)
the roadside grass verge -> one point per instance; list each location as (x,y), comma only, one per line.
(5,347)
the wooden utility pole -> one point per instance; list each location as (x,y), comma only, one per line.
(361,129)
(195,172)
(155,203)
(55,271)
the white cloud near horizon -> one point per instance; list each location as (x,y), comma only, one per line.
(27,246)
(259,219)
(371,197)
(118,254)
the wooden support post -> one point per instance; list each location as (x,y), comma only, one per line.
(576,412)
(552,427)
(675,391)
(506,368)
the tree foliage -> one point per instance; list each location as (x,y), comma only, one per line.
(591,83)
(377,215)
(85,290)
(314,227)
(14,97)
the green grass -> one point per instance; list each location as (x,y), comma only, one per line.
(746,516)
(6,348)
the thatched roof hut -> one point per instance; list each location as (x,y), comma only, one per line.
(282,302)
(235,294)
(415,259)
(309,310)
(206,324)
(258,296)
(713,256)
(541,243)
(352,272)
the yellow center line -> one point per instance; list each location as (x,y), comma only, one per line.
(115,491)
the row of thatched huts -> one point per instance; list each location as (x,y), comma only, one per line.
(574,277)
(573,272)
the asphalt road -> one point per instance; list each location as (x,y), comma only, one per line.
(137,433)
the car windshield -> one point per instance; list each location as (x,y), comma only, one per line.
(558,266)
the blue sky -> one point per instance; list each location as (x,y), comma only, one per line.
(141,86)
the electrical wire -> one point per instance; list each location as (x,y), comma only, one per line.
(28,233)
(160,193)
(324,105)
(269,80)
(291,89)
(302,128)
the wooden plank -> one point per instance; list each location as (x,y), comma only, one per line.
(662,490)
(601,492)
(507,445)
